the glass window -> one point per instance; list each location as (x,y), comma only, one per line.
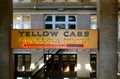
(16,18)
(72,18)
(61,64)
(64,57)
(60,22)
(48,57)
(93,21)
(26,18)
(26,26)
(27,62)
(48,18)
(72,57)
(22,62)
(48,26)
(17,26)
(56,58)
(60,26)
(71,26)
(60,18)
(21,22)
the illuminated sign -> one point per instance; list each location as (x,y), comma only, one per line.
(65,39)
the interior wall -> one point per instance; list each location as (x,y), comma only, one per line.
(83,59)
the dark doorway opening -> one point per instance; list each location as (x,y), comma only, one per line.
(61,65)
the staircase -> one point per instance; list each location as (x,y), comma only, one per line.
(38,72)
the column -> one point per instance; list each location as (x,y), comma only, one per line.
(5,52)
(107,25)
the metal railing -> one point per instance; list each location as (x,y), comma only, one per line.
(37,68)
(45,51)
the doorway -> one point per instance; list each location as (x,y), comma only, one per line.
(61,65)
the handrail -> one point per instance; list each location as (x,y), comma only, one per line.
(37,67)
(40,58)
(37,63)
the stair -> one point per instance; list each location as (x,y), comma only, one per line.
(38,73)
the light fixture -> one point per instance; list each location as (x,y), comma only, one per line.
(78,66)
(88,67)
(32,66)
(23,68)
(67,69)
